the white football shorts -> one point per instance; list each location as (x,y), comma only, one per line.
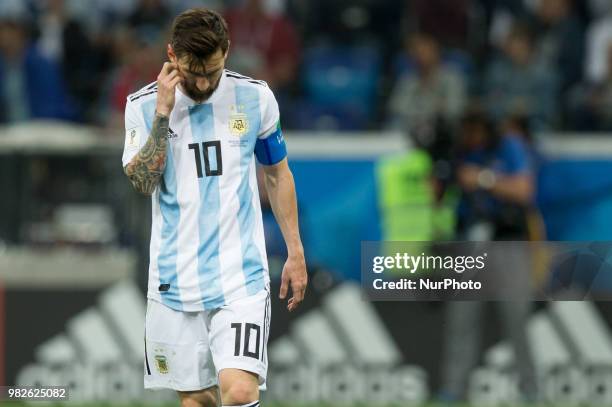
(185,351)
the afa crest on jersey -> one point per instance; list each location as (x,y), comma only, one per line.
(238,124)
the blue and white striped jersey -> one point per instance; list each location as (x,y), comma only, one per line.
(207,240)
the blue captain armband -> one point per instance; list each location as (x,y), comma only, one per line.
(272,149)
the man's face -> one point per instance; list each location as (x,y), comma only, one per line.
(518,49)
(474,135)
(199,82)
(12,39)
(425,52)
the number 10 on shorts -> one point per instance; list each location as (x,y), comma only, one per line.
(244,334)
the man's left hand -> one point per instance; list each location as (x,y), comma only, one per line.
(294,275)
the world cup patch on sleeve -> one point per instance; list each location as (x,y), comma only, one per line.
(132,138)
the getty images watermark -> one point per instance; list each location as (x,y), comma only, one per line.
(505,270)
(406,263)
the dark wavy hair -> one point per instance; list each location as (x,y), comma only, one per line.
(197,34)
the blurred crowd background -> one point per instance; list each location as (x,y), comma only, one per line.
(339,65)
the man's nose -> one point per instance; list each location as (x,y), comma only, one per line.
(202,84)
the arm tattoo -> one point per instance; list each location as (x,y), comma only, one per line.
(146,168)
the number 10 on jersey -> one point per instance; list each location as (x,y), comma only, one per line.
(207,146)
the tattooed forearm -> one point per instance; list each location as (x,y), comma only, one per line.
(147,167)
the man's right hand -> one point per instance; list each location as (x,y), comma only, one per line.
(167,80)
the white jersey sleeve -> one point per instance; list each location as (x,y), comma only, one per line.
(135,132)
(270,148)
(270,114)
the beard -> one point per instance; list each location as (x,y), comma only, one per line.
(196,94)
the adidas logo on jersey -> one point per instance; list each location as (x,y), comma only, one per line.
(171,134)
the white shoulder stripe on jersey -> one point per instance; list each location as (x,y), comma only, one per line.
(146,89)
(138,96)
(256,82)
(236,75)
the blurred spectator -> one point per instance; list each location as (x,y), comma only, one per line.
(516,83)
(592,102)
(599,35)
(497,181)
(352,22)
(51,25)
(495,174)
(518,126)
(431,92)
(16,10)
(499,18)
(559,40)
(142,58)
(263,45)
(99,16)
(31,85)
(599,7)
(178,6)
(446,21)
(150,18)
(83,63)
